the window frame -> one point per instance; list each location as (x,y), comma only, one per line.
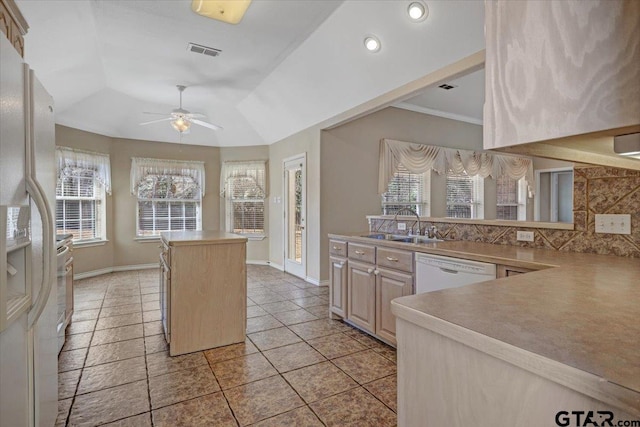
(477,187)
(258,166)
(423,206)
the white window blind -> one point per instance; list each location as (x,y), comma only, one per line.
(510,198)
(407,190)
(465,196)
(169,195)
(83,180)
(243,185)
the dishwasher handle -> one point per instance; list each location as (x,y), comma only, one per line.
(447,270)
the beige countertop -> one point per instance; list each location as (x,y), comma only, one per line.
(579,310)
(181,238)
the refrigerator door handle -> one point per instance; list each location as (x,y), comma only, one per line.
(35,191)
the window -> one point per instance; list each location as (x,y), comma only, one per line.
(407,190)
(511,202)
(465,195)
(169,195)
(83,181)
(243,187)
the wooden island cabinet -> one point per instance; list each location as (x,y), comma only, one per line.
(203,290)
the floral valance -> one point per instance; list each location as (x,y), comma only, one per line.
(419,158)
(73,162)
(249,177)
(143,168)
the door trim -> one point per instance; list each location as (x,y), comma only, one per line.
(301,157)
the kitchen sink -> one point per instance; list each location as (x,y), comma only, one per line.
(402,238)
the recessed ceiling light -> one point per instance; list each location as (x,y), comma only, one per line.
(372,43)
(418,11)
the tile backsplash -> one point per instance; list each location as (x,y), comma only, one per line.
(596,190)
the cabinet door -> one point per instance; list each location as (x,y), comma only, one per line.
(557,69)
(389,285)
(338,285)
(361,285)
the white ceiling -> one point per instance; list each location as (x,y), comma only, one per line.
(287,66)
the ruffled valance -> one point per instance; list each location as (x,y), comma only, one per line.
(73,162)
(143,167)
(254,171)
(418,158)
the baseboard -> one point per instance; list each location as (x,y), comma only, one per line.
(312,281)
(108,270)
(257,262)
(324,283)
(276,266)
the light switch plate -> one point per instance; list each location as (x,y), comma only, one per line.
(402,226)
(524,236)
(613,224)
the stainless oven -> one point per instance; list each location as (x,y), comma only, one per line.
(65,276)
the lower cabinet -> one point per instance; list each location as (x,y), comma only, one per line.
(508,271)
(338,285)
(361,305)
(389,285)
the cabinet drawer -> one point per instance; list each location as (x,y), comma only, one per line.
(365,253)
(338,247)
(396,259)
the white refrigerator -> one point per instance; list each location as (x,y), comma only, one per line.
(28,305)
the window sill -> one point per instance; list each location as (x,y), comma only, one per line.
(147,239)
(89,243)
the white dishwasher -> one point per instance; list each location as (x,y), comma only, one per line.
(434,272)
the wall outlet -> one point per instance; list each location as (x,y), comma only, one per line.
(613,224)
(524,236)
(402,226)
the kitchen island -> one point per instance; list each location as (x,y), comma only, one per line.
(203,292)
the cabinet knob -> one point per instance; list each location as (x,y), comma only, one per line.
(337,248)
(376,272)
(370,270)
(392,259)
(359,252)
(341,263)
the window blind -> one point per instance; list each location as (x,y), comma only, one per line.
(506,198)
(464,196)
(243,185)
(406,190)
(79,206)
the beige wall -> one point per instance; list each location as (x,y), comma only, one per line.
(122,249)
(307,142)
(257,250)
(349,162)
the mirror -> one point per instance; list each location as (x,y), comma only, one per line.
(548,199)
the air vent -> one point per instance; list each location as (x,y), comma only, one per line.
(447,86)
(204,50)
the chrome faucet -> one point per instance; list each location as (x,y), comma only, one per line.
(433,232)
(412,212)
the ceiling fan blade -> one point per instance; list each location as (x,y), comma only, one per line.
(156,114)
(157,121)
(207,125)
(196,115)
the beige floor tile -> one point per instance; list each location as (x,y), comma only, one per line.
(302,416)
(67,383)
(71,360)
(87,305)
(116,321)
(63,412)
(250,303)
(151,305)
(320,311)
(336,345)
(112,352)
(262,323)
(365,366)
(155,344)
(354,408)
(122,333)
(153,328)
(242,370)
(76,341)
(220,354)
(386,390)
(310,301)
(119,310)
(273,338)
(387,352)
(142,420)
(111,404)
(267,298)
(115,302)
(150,297)
(205,411)
(162,363)
(145,290)
(293,356)
(319,381)
(279,307)
(318,328)
(255,311)
(319,290)
(80,315)
(262,399)
(152,316)
(112,374)
(81,327)
(364,339)
(295,316)
(181,385)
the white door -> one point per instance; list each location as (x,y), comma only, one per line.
(295,234)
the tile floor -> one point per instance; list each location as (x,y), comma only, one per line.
(296,368)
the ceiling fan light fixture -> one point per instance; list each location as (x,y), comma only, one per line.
(181,124)
(229,11)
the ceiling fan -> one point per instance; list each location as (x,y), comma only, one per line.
(182,119)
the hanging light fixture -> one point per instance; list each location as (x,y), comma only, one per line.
(181,124)
(229,11)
